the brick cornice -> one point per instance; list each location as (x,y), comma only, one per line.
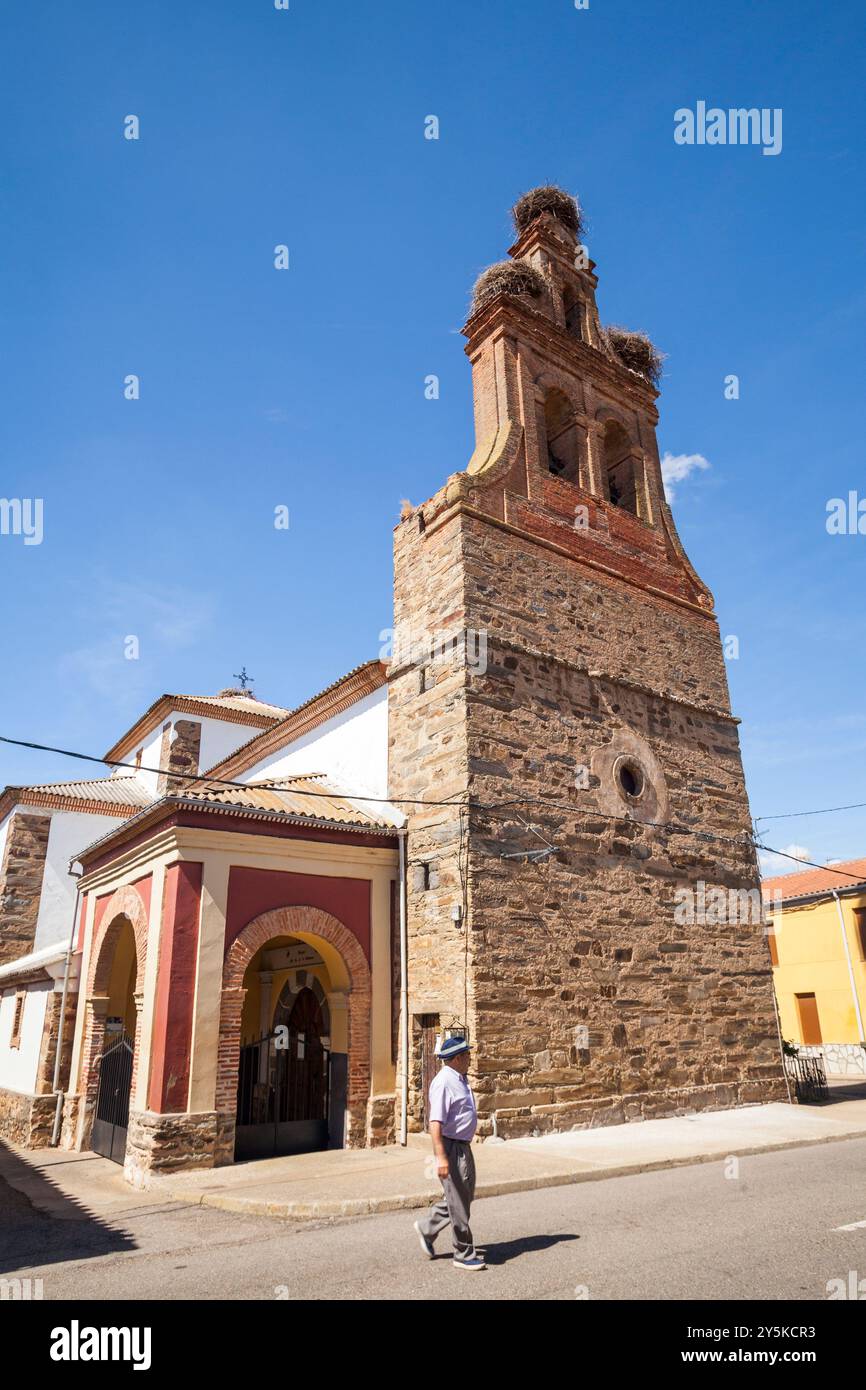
(461,507)
(55,801)
(512,316)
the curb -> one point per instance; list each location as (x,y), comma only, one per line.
(325,1210)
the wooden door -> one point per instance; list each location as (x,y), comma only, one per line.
(810,1024)
(429,1029)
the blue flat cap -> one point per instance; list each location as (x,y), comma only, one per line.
(452,1047)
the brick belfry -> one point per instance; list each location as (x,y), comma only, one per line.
(558,681)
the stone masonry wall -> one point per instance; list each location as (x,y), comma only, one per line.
(179,755)
(26,1120)
(428,761)
(21,883)
(160,1144)
(589,1002)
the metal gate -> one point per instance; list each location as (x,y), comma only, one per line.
(112,1101)
(283,1087)
(428,1025)
(810,1079)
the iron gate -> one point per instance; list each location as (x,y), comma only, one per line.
(810,1079)
(283,1087)
(112,1100)
(428,1025)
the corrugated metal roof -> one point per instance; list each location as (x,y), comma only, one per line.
(807,882)
(111,791)
(304,795)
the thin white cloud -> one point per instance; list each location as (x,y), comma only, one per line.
(772,864)
(677,467)
(165,620)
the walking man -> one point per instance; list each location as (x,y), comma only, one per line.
(452,1124)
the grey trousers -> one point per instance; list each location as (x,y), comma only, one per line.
(458,1189)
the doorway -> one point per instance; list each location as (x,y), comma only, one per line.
(283,1086)
(112,1100)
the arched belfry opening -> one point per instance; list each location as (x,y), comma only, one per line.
(560,442)
(572,307)
(619,468)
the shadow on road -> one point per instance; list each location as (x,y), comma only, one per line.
(31,1236)
(506,1250)
(845,1088)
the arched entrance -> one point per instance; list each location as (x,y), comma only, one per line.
(294,1054)
(115,982)
(285,1077)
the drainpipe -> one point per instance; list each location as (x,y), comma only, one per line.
(58,1109)
(854,994)
(404,996)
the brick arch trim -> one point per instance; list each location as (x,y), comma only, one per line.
(548,381)
(126,902)
(292,921)
(609,414)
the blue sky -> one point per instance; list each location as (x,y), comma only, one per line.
(305,388)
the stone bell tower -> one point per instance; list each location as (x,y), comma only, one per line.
(584,896)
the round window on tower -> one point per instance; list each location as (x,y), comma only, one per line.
(630,779)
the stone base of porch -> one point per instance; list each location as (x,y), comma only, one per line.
(161,1144)
(381,1120)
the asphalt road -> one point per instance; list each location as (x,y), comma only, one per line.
(684,1233)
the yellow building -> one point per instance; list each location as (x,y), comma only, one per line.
(818,947)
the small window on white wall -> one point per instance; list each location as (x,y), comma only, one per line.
(17,1018)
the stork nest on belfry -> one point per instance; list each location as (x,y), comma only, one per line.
(635,351)
(548,198)
(507,277)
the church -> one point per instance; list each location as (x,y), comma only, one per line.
(247,939)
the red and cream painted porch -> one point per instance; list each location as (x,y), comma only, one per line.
(203,897)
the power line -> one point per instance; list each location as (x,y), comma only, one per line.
(828,868)
(824,811)
(493,808)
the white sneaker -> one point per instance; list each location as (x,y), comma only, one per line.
(474,1262)
(426,1245)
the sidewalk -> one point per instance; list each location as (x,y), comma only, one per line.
(355,1182)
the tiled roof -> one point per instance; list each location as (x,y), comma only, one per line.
(807,882)
(247,703)
(308,795)
(119,796)
(301,800)
(233,706)
(113,791)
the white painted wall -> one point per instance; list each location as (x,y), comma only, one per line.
(149,757)
(18,1065)
(4,831)
(351,750)
(219,738)
(70,833)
